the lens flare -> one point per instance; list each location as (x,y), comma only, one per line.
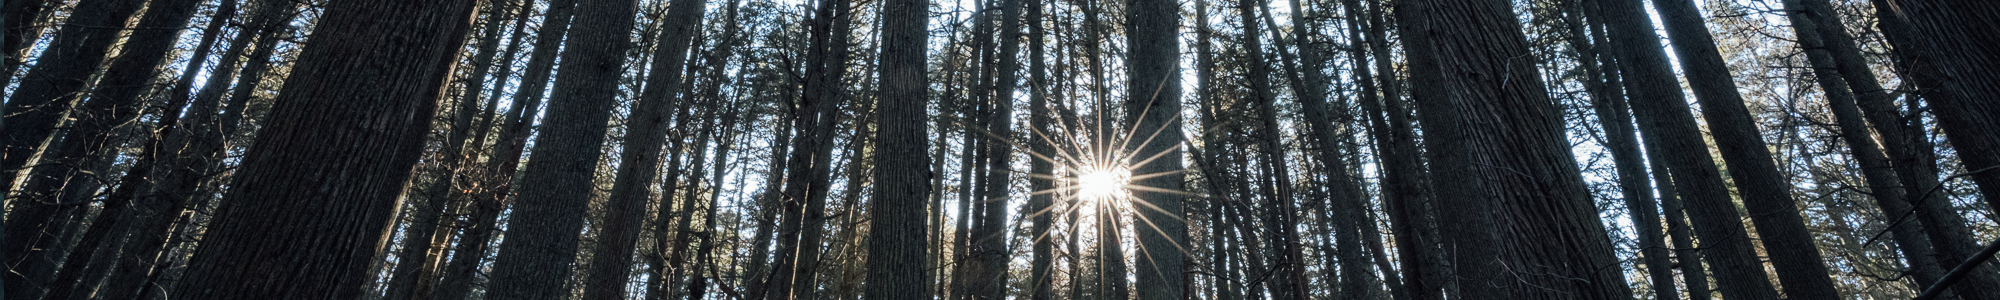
(1098,184)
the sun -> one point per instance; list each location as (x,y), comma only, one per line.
(1101,183)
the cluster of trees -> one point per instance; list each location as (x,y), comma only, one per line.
(1074,149)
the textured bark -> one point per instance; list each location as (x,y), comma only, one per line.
(1767,196)
(1499,144)
(1664,118)
(639,162)
(1956,73)
(1153,102)
(544,229)
(897,242)
(350,114)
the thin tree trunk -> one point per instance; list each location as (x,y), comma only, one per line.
(92,140)
(1889,192)
(34,111)
(1767,197)
(1664,118)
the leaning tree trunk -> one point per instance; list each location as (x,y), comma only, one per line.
(1889,191)
(1767,197)
(34,111)
(639,163)
(1501,148)
(536,257)
(1664,118)
(456,279)
(367,137)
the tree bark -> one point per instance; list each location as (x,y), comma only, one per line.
(1956,74)
(351,113)
(1153,102)
(1500,145)
(544,229)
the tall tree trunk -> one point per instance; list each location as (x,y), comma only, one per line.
(1889,191)
(1615,117)
(1153,104)
(639,163)
(1499,140)
(544,229)
(1309,85)
(1404,192)
(989,237)
(415,261)
(897,241)
(1956,74)
(115,205)
(817,114)
(1289,282)
(456,279)
(1908,151)
(92,140)
(362,178)
(1767,197)
(1040,164)
(34,111)
(1663,117)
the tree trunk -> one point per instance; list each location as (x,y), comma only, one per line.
(1153,102)
(457,277)
(1664,118)
(45,96)
(1615,117)
(1889,191)
(639,163)
(34,111)
(92,140)
(1500,143)
(1956,74)
(1767,197)
(1289,282)
(544,229)
(1040,164)
(362,178)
